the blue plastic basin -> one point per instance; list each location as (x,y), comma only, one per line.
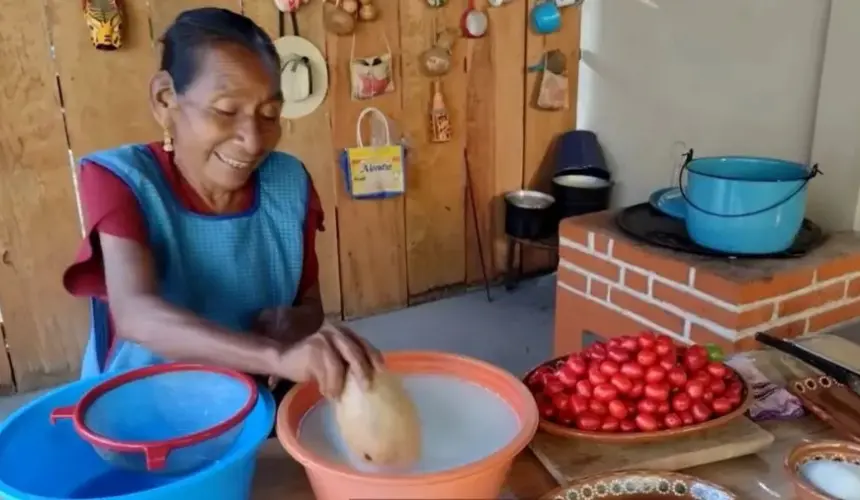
(40,461)
(745,205)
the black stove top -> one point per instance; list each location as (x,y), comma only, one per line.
(646,224)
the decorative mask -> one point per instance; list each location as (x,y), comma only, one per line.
(104,20)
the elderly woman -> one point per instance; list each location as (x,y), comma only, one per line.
(201,247)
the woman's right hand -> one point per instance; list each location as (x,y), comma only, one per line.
(327,356)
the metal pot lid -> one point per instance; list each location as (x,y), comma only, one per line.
(532,200)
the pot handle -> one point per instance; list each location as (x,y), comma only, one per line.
(62,413)
(688,157)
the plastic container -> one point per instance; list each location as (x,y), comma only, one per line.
(745,205)
(168,418)
(481,478)
(41,461)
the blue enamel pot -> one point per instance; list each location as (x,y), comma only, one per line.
(744,205)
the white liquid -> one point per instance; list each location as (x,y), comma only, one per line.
(461,422)
(838,479)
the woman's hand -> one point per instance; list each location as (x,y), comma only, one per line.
(327,356)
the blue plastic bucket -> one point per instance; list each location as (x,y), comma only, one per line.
(41,461)
(745,205)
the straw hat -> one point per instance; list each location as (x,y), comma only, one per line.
(304,76)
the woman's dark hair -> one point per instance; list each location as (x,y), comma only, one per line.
(196,30)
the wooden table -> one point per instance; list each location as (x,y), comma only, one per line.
(754,477)
(760,476)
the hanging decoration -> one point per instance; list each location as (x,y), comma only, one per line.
(474,22)
(553,91)
(437,3)
(368,11)
(304,76)
(375,171)
(290,5)
(436,61)
(337,20)
(499,3)
(440,122)
(371,76)
(104,20)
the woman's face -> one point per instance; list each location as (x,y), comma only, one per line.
(227,120)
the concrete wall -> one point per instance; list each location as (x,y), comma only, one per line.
(720,76)
(836,141)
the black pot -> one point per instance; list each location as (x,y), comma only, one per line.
(577,194)
(530,215)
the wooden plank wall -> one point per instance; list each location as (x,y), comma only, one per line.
(374,255)
(44,328)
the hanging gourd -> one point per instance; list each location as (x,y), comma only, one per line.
(367,11)
(337,20)
(436,61)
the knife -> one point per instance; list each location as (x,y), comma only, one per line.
(829,368)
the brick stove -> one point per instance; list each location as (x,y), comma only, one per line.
(610,285)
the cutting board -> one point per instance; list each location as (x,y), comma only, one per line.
(837,349)
(568,459)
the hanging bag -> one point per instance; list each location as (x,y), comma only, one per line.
(375,171)
(370,76)
(554,89)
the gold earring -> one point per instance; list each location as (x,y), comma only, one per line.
(168,142)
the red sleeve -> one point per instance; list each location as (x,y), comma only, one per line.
(109,207)
(314,220)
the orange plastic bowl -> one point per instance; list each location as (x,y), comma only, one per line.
(482,479)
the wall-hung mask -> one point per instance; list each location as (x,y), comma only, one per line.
(104,20)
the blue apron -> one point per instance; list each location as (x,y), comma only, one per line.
(225,268)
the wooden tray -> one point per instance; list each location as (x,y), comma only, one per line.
(830,401)
(568,459)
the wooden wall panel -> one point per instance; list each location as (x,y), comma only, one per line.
(106,93)
(7,383)
(310,139)
(507,33)
(481,90)
(435,225)
(542,127)
(163,12)
(39,229)
(371,233)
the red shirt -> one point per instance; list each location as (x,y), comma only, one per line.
(110,207)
